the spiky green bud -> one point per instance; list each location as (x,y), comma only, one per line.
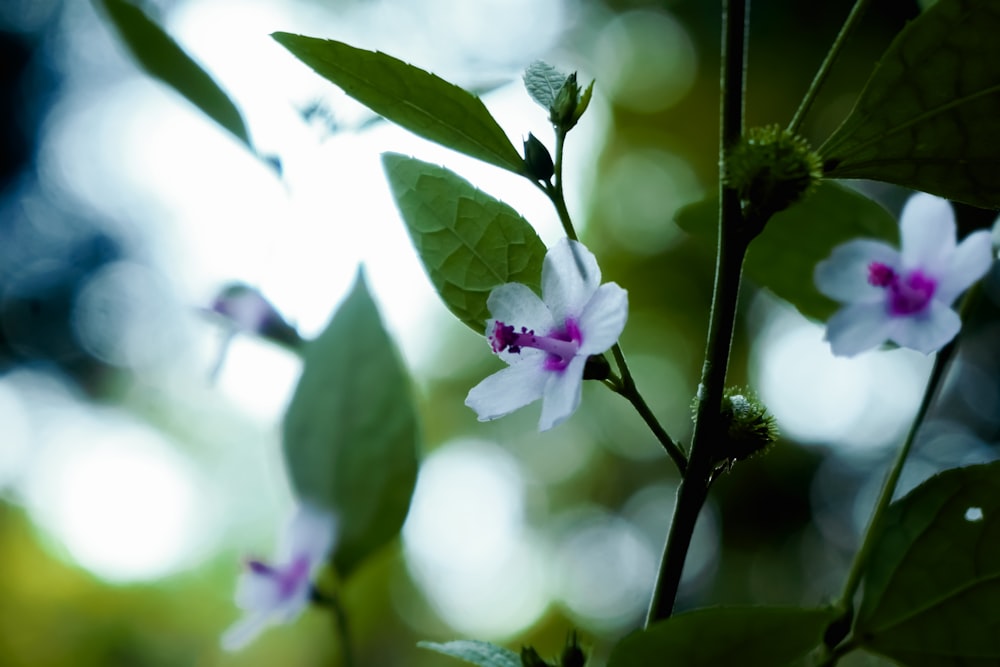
(771,169)
(747,426)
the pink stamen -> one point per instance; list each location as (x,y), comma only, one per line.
(908,294)
(288,579)
(561,345)
(261,568)
(880,275)
(911,295)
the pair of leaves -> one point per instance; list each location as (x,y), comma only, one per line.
(421,102)
(929,117)
(468,241)
(784,256)
(350,434)
(162,58)
(931,595)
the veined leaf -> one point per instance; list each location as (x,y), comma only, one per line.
(931,595)
(409,96)
(476,652)
(746,636)
(783,257)
(543,83)
(468,241)
(161,57)
(929,117)
(350,432)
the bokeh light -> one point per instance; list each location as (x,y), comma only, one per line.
(645,60)
(865,401)
(467,543)
(117,496)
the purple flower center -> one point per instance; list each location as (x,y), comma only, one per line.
(908,294)
(560,345)
(289,579)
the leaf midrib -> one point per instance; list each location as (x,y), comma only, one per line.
(435,121)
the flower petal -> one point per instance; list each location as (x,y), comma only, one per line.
(515,304)
(970,262)
(858,327)
(255,591)
(843,276)
(570,276)
(310,532)
(244,631)
(927,233)
(929,332)
(562,394)
(603,320)
(507,390)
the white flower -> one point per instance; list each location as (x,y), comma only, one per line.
(547,341)
(278,593)
(903,296)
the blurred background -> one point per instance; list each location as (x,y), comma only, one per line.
(139,451)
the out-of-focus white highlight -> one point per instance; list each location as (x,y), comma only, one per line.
(467,545)
(258,376)
(125,315)
(117,496)
(865,401)
(645,60)
(603,571)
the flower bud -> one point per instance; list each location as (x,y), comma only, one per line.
(771,169)
(597,368)
(563,111)
(530,658)
(537,159)
(573,655)
(246,310)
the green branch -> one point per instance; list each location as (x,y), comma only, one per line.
(827,65)
(729,263)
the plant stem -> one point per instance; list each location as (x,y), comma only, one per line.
(728,268)
(628,389)
(336,607)
(555,190)
(941,363)
(827,64)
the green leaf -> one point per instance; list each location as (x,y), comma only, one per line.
(929,117)
(931,595)
(783,257)
(162,58)
(476,652)
(543,82)
(350,432)
(468,241)
(415,99)
(746,636)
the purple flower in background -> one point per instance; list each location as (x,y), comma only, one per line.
(905,295)
(547,341)
(246,310)
(278,593)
